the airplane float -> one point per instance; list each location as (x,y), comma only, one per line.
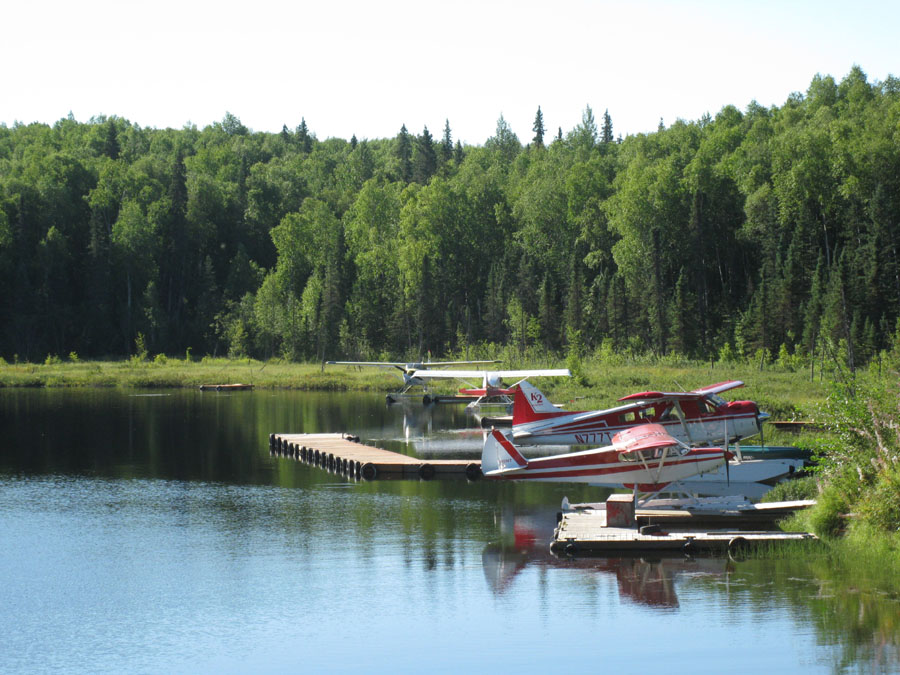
(696,417)
(645,458)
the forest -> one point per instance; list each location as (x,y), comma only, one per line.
(764,234)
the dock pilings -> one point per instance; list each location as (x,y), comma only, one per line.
(345,455)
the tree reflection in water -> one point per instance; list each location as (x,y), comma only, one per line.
(856,609)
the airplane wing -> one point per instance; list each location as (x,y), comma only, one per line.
(720,387)
(482,374)
(405,364)
(430,364)
(643,437)
(365,363)
(684,395)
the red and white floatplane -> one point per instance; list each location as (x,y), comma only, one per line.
(696,417)
(646,458)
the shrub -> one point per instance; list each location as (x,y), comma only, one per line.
(805,487)
(880,506)
(827,517)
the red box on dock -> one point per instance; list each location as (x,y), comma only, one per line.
(620,511)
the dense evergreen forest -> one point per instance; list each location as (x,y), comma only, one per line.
(768,233)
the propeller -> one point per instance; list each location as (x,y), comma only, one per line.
(760,418)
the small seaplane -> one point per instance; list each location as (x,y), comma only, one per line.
(410,372)
(696,417)
(492,387)
(645,458)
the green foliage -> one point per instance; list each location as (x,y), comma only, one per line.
(828,517)
(140,349)
(879,507)
(804,487)
(859,461)
(765,236)
(574,364)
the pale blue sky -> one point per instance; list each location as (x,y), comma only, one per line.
(364,67)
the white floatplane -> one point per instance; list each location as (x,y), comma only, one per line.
(696,417)
(410,371)
(645,458)
(492,381)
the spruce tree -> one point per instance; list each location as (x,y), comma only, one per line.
(425,160)
(538,128)
(446,143)
(404,154)
(606,135)
(458,153)
(304,137)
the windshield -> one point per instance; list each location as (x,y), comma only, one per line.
(716,401)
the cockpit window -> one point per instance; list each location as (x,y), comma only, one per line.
(715,400)
(651,453)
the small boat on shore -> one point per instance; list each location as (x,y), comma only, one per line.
(225,387)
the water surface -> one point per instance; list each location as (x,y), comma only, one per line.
(156,533)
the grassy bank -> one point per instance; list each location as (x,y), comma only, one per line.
(175,373)
(784,395)
(598,384)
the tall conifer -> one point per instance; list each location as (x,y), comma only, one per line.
(538,128)
(404,154)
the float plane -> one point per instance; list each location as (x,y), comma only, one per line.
(408,370)
(645,458)
(698,417)
(492,386)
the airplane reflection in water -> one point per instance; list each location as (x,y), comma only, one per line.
(525,541)
(444,432)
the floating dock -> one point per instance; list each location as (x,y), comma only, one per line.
(344,454)
(593,531)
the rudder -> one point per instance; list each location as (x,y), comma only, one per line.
(530,404)
(498,454)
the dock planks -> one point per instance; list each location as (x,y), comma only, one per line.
(586,532)
(344,454)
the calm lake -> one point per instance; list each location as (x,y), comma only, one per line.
(153,532)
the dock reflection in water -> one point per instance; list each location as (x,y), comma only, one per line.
(648,580)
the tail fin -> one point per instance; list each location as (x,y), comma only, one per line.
(498,454)
(530,404)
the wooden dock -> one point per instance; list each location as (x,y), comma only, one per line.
(345,455)
(586,532)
